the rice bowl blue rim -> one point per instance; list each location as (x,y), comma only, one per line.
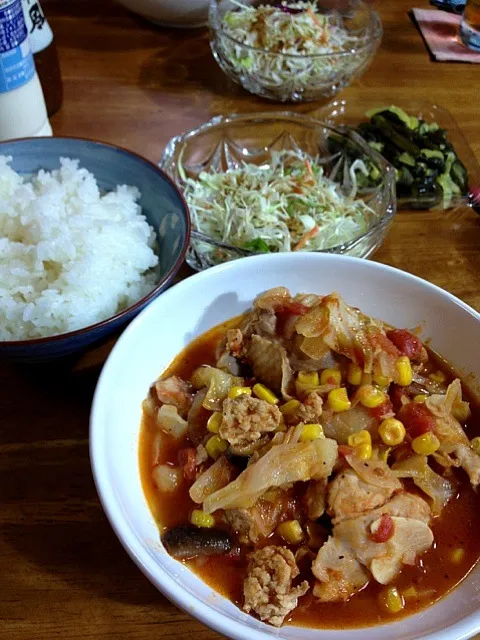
(164,280)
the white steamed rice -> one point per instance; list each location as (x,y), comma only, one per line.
(69,255)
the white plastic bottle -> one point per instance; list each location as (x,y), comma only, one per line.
(22,106)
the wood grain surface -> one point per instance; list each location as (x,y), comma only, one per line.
(63,574)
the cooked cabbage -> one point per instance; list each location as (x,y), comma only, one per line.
(434,485)
(348,332)
(219,384)
(214,478)
(447,429)
(374,472)
(282,465)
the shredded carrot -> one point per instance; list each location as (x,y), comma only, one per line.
(314,17)
(306,237)
(308,167)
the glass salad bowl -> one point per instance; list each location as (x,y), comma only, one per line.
(323,47)
(331,213)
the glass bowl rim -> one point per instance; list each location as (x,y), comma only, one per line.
(375,25)
(387,189)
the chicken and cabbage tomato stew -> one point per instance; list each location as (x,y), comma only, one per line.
(314,465)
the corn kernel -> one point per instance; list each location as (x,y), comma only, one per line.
(420,397)
(262,392)
(360,437)
(370,396)
(381,381)
(308,378)
(290,407)
(410,592)
(457,555)
(391,600)
(239,391)
(214,422)
(354,374)
(425,444)
(364,451)
(338,400)
(311,432)
(461,411)
(475,444)
(291,532)
(438,376)
(404,370)
(391,431)
(331,376)
(215,446)
(201,519)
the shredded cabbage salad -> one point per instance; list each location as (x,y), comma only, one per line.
(286,205)
(295,29)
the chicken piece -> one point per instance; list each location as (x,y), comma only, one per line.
(262,320)
(409,538)
(405,505)
(350,496)
(341,561)
(469,461)
(339,574)
(268,588)
(246,419)
(447,428)
(270,364)
(242,523)
(316,498)
(310,410)
(176,392)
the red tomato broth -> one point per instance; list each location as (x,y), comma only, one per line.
(457,527)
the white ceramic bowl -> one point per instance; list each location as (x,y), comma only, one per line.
(188,310)
(171,13)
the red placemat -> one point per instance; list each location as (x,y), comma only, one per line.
(440,30)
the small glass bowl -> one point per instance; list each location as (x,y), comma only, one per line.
(225,143)
(296,78)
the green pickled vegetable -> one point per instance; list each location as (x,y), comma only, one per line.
(428,170)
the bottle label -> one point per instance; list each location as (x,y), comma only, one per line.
(39,32)
(16,60)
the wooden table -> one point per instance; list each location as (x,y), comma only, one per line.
(62,571)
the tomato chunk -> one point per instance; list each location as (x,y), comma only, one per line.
(385,530)
(406,342)
(344,450)
(416,418)
(384,410)
(186,459)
